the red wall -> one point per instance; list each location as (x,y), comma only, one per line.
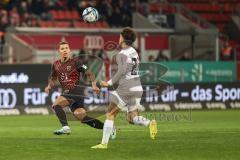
(155,42)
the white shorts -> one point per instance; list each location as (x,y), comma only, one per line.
(129,102)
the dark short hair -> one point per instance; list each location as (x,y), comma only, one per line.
(62,42)
(129,35)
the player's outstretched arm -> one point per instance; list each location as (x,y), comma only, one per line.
(51,84)
(92,78)
(51,80)
(84,69)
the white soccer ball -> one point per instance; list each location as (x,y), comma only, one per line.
(90,15)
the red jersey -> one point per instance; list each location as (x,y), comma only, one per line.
(68,73)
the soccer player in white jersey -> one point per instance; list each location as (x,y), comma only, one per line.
(128,94)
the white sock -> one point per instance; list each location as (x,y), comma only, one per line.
(107,131)
(140,120)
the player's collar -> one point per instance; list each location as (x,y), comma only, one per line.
(65,60)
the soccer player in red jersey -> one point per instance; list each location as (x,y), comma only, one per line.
(67,71)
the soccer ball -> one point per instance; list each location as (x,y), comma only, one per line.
(90,15)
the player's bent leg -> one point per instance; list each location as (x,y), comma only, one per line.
(58,106)
(134,118)
(80,114)
(62,101)
(131,115)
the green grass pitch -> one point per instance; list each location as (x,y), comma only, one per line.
(208,135)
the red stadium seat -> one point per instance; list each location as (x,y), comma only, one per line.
(68,15)
(221,27)
(62,24)
(153,8)
(43,24)
(50,24)
(79,24)
(227,8)
(54,14)
(60,15)
(203,7)
(216,17)
(104,24)
(233,43)
(75,15)
(98,25)
(157,7)
(46,24)
(92,25)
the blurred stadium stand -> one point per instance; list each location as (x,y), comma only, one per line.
(218,13)
(196,29)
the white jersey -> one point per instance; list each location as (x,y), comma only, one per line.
(127,75)
(132,62)
(129,91)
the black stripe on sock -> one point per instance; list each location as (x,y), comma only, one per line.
(95,123)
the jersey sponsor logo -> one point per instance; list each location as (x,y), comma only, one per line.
(69,68)
(8,98)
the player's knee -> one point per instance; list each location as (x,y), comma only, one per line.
(56,106)
(61,101)
(131,115)
(80,113)
(111,115)
(112,112)
(130,119)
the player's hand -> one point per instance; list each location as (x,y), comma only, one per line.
(47,89)
(95,89)
(104,84)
